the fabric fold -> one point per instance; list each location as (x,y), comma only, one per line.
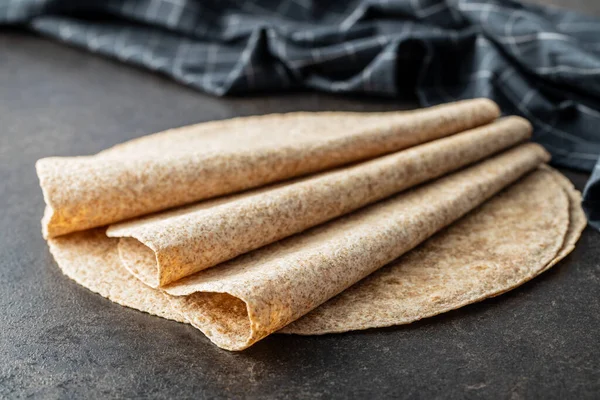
(163,248)
(246,299)
(192,163)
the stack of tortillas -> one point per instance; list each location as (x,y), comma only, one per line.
(312,223)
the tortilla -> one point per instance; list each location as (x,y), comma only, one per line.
(74,254)
(90,258)
(193,163)
(509,240)
(246,299)
(163,248)
(243,266)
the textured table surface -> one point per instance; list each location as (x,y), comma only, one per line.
(58,340)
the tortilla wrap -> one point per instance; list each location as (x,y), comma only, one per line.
(163,248)
(244,300)
(91,259)
(506,242)
(197,162)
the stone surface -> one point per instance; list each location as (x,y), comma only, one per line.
(58,340)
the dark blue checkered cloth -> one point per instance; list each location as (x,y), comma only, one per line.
(541,63)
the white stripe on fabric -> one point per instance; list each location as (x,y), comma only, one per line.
(567,68)
(428,11)
(352,18)
(527,98)
(589,111)
(579,26)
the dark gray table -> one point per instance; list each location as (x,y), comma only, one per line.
(58,340)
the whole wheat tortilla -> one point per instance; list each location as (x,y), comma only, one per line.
(245,299)
(197,162)
(509,240)
(163,248)
(73,255)
(91,259)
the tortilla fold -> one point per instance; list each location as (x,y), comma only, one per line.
(163,248)
(193,163)
(509,240)
(91,259)
(244,300)
(317,254)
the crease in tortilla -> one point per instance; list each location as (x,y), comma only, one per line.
(91,259)
(245,299)
(163,248)
(192,163)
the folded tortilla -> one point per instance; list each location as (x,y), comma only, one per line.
(163,248)
(423,283)
(91,259)
(514,237)
(252,296)
(244,266)
(245,299)
(192,163)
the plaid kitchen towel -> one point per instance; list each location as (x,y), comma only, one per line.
(538,62)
